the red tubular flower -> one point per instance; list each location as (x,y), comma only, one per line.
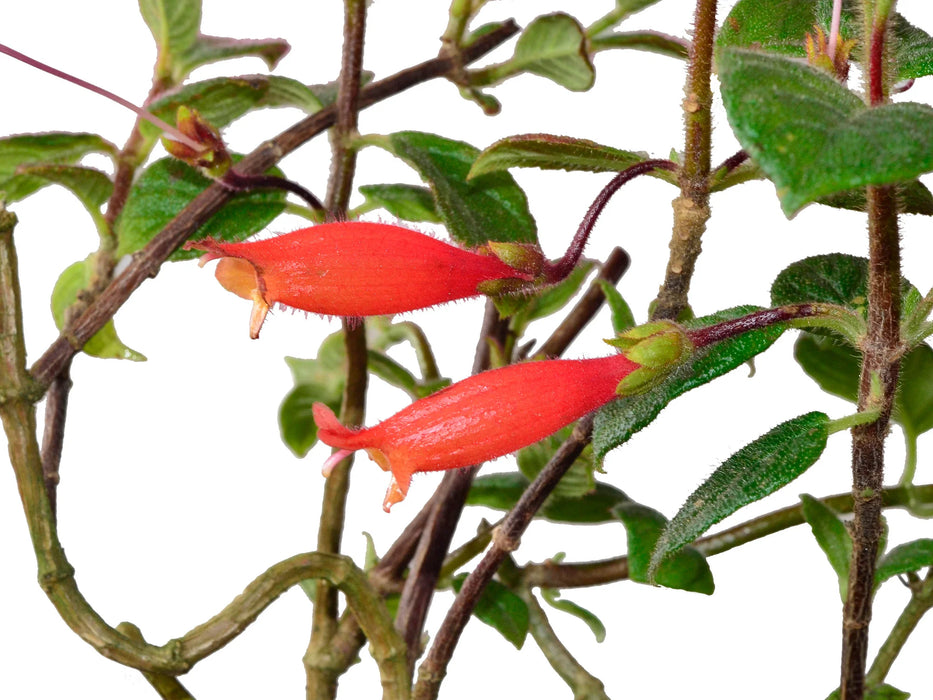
(481,418)
(355,269)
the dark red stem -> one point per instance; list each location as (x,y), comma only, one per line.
(555,272)
(241,183)
(701,337)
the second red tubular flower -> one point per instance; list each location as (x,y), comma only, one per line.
(478,419)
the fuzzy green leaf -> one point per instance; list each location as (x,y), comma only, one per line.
(812,136)
(550,152)
(174,25)
(757,470)
(210,49)
(552,46)
(105,343)
(168,186)
(911,556)
(618,421)
(221,101)
(912,198)
(502,491)
(834,278)
(579,479)
(26,150)
(488,208)
(407,202)
(92,187)
(521,310)
(831,535)
(686,570)
(913,405)
(501,609)
(552,597)
(781,26)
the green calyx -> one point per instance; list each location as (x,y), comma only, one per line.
(524,257)
(658,347)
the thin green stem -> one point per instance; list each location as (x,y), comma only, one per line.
(921,600)
(580,575)
(691,209)
(654,42)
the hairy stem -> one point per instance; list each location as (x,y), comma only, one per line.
(321,674)
(691,209)
(881,352)
(505,540)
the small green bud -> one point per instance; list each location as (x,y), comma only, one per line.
(658,347)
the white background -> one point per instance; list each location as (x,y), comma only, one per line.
(177,490)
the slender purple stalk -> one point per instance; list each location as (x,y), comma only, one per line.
(142,113)
(834,29)
(555,272)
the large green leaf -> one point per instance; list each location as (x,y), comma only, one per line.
(488,208)
(757,470)
(168,186)
(618,421)
(105,343)
(223,100)
(550,152)
(912,198)
(552,46)
(502,491)
(903,559)
(686,570)
(812,136)
(501,609)
(781,26)
(832,536)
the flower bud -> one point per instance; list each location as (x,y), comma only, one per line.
(657,347)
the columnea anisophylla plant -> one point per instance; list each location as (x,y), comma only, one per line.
(827,102)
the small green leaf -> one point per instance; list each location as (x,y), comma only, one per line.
(911,556)
(556,153)
(913,405)
(296,422)
(92,187)
(686,570)
(881,692)
(502,491)
(210,49)
(168,186)
(832,536)
(552,46)
(622,316)
(26,150)
(105,343)
(221,101)
(501,609)
(834,278)
(618,421)
(757,470)
(174,25)
(579,479)
(407,202)
(912,198)
(552,597)
(488,208)
(812,136)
